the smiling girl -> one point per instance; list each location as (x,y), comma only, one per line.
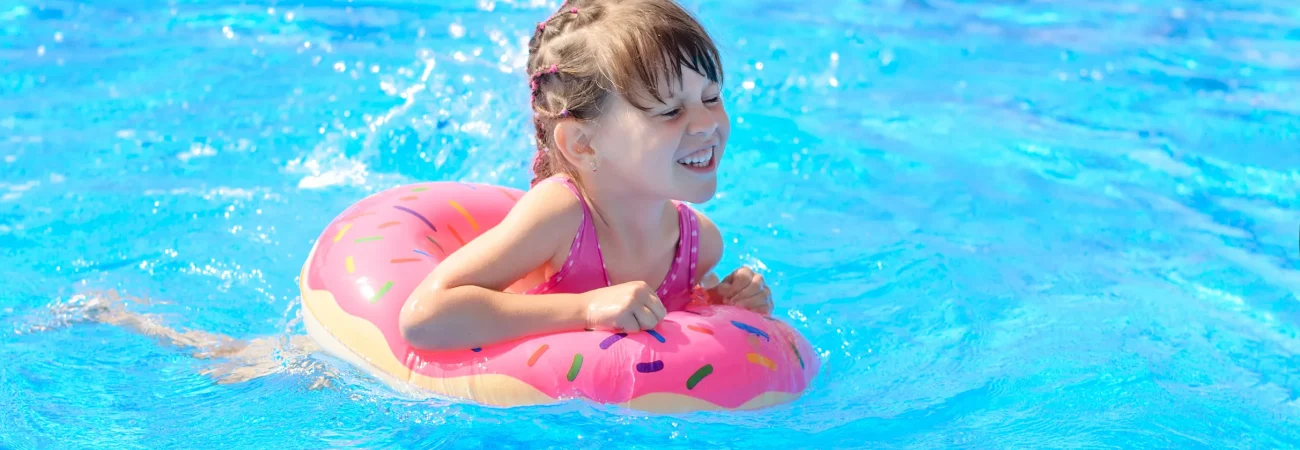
(630,124)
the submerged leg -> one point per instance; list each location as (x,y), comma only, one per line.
(241,360)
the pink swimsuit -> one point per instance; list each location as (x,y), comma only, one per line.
(584,270)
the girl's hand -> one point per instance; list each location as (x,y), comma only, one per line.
(629,307)
(745,289)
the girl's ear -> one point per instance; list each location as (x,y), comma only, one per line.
(574,141)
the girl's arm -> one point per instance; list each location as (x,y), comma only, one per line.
(461,304)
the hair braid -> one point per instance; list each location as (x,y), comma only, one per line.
(571,17)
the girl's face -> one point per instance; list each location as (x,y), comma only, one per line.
(673,150)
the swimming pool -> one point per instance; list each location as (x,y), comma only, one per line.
(1002,224)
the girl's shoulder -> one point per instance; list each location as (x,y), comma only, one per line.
(550,205)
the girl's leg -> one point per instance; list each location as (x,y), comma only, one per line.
(241,360)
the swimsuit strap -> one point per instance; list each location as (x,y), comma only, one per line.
(691,235)
(681,276)
(584,269)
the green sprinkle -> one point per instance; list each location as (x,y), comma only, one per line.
(796,354)
(577,364)
(382,291)
(435,243)
(699,375)
(367,239)
(419,189)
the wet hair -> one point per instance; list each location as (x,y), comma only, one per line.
(590,49)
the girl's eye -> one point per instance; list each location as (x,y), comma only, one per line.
(672,113)
(715,99)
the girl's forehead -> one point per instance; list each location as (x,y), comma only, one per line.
(670,86)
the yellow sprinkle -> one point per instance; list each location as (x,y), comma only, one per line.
(342,231)
(762,361)
(352,267)
(472,224)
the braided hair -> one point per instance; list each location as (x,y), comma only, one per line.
(589,49)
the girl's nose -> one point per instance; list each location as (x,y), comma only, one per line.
(702,122)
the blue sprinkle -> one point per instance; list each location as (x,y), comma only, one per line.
(476,349)
(656,335)
(751,330)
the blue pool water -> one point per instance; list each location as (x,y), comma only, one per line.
(1003,224)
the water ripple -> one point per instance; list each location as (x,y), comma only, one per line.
(1001,225)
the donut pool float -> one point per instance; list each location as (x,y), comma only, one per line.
(370,258)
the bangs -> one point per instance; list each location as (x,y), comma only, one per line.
(647,51)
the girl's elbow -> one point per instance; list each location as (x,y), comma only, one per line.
(411,326)
(418,326)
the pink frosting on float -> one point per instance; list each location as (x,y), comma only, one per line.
(374,254)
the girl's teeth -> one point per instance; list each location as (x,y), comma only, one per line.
(698,161)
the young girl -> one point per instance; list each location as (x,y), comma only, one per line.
(630,122)
(629,119)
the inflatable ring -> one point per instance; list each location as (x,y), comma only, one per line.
(370,258)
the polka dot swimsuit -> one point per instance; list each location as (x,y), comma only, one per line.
(584,269)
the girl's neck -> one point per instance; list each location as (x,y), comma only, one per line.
(638,221)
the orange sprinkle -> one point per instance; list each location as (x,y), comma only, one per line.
(537,354)
(408,198)
(473,224)
(456,235)
(761,360)
(389,224)
(699,329)
(403,260)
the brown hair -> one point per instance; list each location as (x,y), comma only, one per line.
(592,48)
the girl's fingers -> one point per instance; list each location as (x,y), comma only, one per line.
(750,290)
